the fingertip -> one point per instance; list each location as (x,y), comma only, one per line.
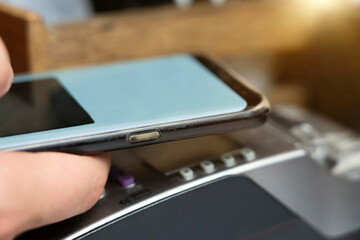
(93,197)
(89,176)
(105,157)
(9,76)
(6,71)
(6,77)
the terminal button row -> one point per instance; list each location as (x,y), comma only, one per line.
(228,160)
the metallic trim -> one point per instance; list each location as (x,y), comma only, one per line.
(237,170)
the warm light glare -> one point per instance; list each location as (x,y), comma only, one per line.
(355,2)
(317,8)
(323,5)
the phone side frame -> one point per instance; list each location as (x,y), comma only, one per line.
(254,115)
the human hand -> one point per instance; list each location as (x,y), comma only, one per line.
(42,188)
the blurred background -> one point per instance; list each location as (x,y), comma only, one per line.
(301,52)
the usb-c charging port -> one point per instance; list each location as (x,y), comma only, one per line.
(143,137)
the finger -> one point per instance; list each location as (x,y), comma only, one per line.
(6,72)
(42,188)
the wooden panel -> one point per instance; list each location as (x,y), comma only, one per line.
(235,28)
(24,35)
(329,68)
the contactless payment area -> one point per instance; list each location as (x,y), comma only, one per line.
(112,97)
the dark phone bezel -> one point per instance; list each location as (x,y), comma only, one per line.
(253,115)
(252,97)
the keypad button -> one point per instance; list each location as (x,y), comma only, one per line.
(248,154)
(228,160)
(207,166)
(126,180)
(186,173)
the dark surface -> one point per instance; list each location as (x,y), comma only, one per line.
(235,208)
(351,236)
(38,106)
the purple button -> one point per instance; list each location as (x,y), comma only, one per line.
(126,180)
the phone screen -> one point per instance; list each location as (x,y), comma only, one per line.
(38,106)
(114,97)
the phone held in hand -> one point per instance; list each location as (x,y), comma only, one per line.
(127,104)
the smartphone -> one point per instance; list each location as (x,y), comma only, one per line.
(127,104)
